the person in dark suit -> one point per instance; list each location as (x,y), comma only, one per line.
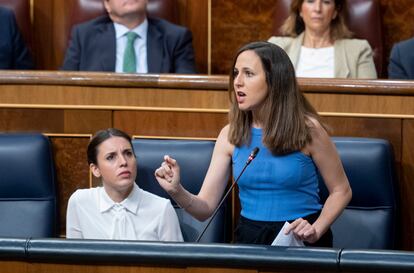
(13,51)
(101,44)
(401,64)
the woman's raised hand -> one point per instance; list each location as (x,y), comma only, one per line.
(168,175)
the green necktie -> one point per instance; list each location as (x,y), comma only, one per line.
(130,64)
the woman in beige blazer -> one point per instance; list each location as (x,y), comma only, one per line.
(318,24)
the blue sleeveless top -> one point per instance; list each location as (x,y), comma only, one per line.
(275,188)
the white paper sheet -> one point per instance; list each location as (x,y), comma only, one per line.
(286,240)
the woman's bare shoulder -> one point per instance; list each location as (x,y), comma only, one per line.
(313,123)
(223,140)
(318,133)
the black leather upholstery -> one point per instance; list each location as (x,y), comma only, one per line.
(353,260)
(134,254)
(194,158)
(369,219)
(182,254)
(87,10)
(27,186)
(13,248)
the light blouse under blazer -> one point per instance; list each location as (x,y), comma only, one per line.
(353,57)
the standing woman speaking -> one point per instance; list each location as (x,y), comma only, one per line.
(268,111)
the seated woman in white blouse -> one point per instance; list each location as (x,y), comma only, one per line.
(119,209)
(319,44)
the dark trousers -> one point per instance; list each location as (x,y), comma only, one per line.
(261,232)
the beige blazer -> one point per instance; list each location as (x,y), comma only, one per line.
(353,58)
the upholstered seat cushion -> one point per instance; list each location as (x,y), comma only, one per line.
(27,186)
(369,220)
(194,158)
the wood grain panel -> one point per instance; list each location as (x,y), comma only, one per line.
(14,267)
(389,129)
(54,121)
(397,22)
(72,268)
(181,124)
(361,104)
(406,189)
(356,97)
(197,22)
(43,18)
(235,23)
(86,121)
(76,96)
(22,267)
(61,31)
(32,120)
(72,171)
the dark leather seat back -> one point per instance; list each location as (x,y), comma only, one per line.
(362,260)
(86,10)
(28,205)
(363,19)
(369,219)
(21,10)
(194,159)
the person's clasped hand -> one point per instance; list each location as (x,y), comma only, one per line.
(302,230)
(168,175)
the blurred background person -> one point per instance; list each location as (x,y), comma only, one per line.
(14,53)
(401,64)
(319,43)
(119,209)
(125,40)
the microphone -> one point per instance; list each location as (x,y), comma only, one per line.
(252,156)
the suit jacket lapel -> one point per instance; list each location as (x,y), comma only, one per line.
(295,49)
(106,44)
(155,52)
(340,60)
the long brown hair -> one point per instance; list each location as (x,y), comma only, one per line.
(286,110)
(294,25)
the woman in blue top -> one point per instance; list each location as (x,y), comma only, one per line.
(268,111)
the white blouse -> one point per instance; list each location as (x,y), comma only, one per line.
(92,214)
(316,62)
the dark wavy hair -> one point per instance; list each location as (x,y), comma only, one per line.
(100,137)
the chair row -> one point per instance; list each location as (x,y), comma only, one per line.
(28,201)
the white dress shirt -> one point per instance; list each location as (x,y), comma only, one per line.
(92,214)
(316,62)
(140,46)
